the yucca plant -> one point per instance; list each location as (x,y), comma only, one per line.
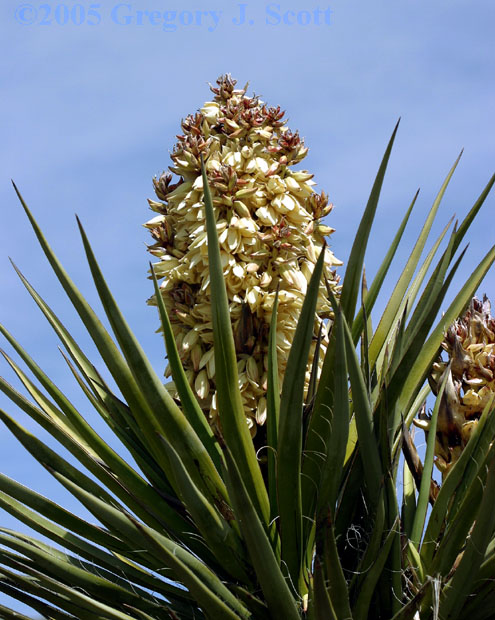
(200,525)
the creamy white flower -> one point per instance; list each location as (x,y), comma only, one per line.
(469,344)
(211,111)
(202,385)
(270,234)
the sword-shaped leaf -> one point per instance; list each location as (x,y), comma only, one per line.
(361,609)
(398,294)
(212,521)
(426,356)
(459,585)
(338,420)
(290,431)
(424,489)
(231,410)
(186,568)
(272,411)
(352,279)
(96,456)
(165,416)
(323,608)
(275,587)
(189,403)
(376,285)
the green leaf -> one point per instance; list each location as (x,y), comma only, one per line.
(376,285)
(365,336)
(424,490)
(458,529)
(231,410)
(317,439)
(111,562)
(118,419)
(391,585)
(210,593)
(105,345)
(315,449)
(143,458)
(430,298)
(75,434)
(458,587)
(11,491)
(222,539)
(290,437)
(273,410)
(412,348)
(278,596)
(416,562)
(49,458)
(403,306)
(480,606)
(203,584)
(323,608)
(413,410)
(10,614)
(399,292)
(408,500)
(458,499)
(17,587)
(376,527)
(428,352)
(353,272)
(164,417)
(72,600)
(338,420)
(337,585)
(189,403)
(364,421)
(68,570)
(409,610)
(361,609)
(468,220)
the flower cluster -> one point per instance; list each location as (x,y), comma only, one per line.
(470,347)
(270,233)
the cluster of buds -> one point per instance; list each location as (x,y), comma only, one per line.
(470,347)
(270,234)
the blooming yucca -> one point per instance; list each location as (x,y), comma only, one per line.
(470,347)
(194,526)
(270,233)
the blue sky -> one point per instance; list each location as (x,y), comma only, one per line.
(90,113)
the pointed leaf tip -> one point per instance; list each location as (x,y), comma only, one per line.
(17,190)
